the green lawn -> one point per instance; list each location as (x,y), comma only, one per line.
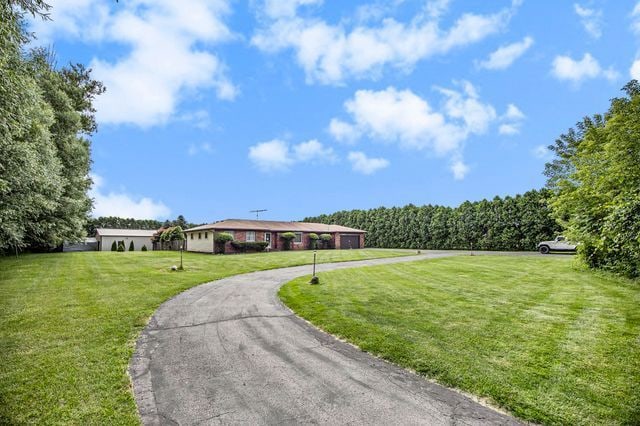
(548,341)
(68,324)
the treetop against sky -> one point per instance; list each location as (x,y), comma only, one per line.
(215,108)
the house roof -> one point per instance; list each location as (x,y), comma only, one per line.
(273,225)
(108,232)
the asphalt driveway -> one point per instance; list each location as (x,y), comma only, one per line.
(229,352)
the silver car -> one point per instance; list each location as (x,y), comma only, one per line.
(559,244)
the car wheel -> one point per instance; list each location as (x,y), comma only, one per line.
(544,249)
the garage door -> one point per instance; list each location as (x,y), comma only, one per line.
(349,241)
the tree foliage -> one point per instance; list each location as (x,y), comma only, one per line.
(131,223)
(510,223)
(287,237)
(45,116)
(595,179)
(173,233)
(221,239)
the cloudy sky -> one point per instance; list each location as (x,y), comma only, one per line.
(214,107)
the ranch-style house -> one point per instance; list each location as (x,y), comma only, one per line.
(201,238)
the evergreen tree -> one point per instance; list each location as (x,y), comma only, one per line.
(512,223)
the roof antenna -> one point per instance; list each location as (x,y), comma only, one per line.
(257,212)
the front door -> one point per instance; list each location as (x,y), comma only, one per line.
(267,238)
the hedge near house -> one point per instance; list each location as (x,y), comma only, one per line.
(287,237)
(249,246)
(131,247)
(313,241)
(326,240)
(114,246)
(220,240)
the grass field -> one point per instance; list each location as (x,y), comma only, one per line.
(68,324)
(537,336)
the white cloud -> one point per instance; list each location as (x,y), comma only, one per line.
(406,119)
(331,53)
(285,8)
(459,169)
(436,8)
(504,56)
(124,205)
(366,165)
(634,71)
(467,107)
(342,131)
(509,129)
(576,71)
(635,16)
(204,147)
(541,151)
(199,119)
(270,156)
(514,113)
(277,155)
(313,151)
(169,53)
(591,20)
(511,121)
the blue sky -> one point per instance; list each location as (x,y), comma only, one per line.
(302,107)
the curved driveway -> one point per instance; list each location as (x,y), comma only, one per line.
(229,352)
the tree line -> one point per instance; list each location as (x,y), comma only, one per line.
(115,222)
(46,119)
(509,223)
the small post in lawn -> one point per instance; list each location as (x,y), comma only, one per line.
(181,248)
(314,279)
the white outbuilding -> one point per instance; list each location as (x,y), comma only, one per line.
(140,237)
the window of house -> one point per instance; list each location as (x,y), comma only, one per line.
(199,235)
(298,238)
(206,235)
(251,236)
(191,236)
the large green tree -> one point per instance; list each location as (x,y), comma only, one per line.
(45,116)
(69,91)
(596,181)
(29,168)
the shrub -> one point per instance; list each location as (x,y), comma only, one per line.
(313,240)
(326,240)
(114,246)
(221,239)
(173,233)
(121,246)
(144,247)
(287,237)
(131,248)
(249,246)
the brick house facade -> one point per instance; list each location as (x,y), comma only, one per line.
(201,238)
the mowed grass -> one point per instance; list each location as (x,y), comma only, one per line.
(68,324)
(537,336)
